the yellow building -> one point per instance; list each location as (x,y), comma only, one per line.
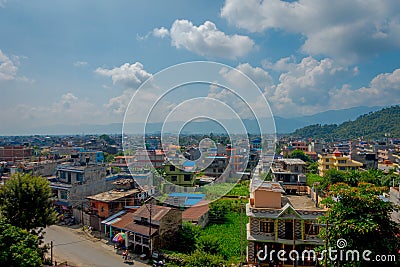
(337,161)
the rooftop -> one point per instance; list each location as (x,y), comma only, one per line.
(195,212)
(157,212)
(292,161)
(300,202)
(126,222)
(113,195)
(267,186)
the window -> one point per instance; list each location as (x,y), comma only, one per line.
(63,194)
(187,177)
(267,227)
(341,161)
(327,167)
(326,160)
(172,168)
(311,229)
(341,168)
(174,178)
(62,175)
(79,177)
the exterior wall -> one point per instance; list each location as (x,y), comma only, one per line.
(330,161)
(179,174)
(15,153)
(169,227)
(93,182)
(267,199)
(395,198)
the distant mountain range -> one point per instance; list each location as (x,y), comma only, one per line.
(372,125)
(283,125)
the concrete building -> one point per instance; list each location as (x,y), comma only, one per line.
(157,223)
(105,204)
(395,199)
(280,222)
(178,176)
(74,183)
(337,161)
(197,214)
(289,171)
(15,153)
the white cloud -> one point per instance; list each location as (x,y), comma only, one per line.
(306,87)
(8,69)
(129,75)
(117,105)
(80,63)
(384,89)
(69,109)
(207,40)
(345,30)
(160,32)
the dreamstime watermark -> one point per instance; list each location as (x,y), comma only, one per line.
(340,254)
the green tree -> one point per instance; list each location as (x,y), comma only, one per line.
(312,167)
(108,157)
(218,211)
(187,237)
(359,216)
(201,259)
(209,244)
(18,247)
(25,201)
(299,154)
(331,177)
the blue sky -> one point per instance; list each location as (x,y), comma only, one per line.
(80,62)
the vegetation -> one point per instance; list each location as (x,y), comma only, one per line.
(357,214)
(18,247)
(372,125)
(353,178)
(216,245)
(299,154)
(25,201)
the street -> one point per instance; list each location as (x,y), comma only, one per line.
(77,249)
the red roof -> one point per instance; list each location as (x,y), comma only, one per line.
(195,212)
(126,223)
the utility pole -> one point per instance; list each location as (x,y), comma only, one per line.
(294,240)
(150,249)
(241,234)
(326,243)
(51,252)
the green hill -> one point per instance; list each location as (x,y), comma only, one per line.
(373,125)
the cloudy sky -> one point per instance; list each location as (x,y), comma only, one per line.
(80,62)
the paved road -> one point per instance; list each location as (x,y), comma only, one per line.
(77,249)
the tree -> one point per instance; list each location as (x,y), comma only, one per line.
(201,259)
(209,244)
(187,237)
(18,247)
(218,211)
(25,201)
(363,219)
(312,167)
(299,154)
(331,177)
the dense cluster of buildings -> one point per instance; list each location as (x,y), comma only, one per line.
(116,195)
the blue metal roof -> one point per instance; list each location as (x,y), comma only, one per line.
(112,217)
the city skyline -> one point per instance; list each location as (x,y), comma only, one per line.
(79,63)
